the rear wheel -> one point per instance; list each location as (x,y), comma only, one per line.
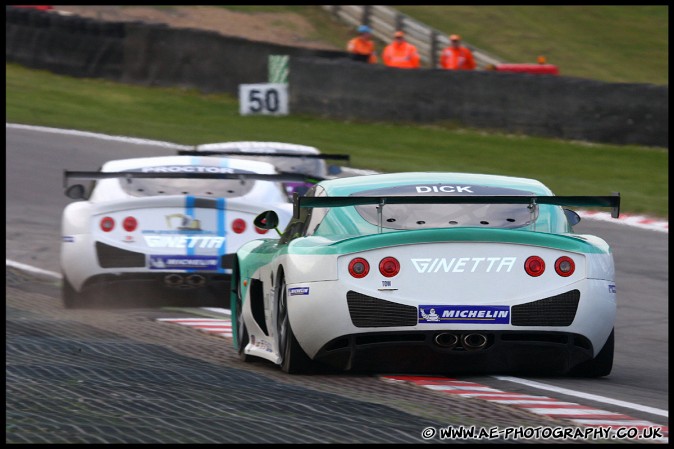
(600,365)
(71,298)
(293,358)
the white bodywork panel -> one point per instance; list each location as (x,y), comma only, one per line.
(432,274)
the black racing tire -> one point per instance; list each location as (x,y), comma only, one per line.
(293,358)
(601,365)
(70,297)
(241,331)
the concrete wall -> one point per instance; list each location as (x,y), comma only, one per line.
(541,105)
(328,84)
(139,53)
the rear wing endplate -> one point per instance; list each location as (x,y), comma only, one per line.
(612,201)
(280,177)
(343,157)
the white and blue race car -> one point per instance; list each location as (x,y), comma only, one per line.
(429,273)
(163,227)
(286,157)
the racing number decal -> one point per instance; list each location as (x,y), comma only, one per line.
(268,99)
(263,100)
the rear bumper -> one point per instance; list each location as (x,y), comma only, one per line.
(417,352)
(158,279)
(196,289)
(320,317)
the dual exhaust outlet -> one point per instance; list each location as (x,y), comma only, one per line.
(470,341)
(175,280)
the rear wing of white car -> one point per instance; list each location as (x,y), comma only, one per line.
(343,157)
(279,177)
(612,201)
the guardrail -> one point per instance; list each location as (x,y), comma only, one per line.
(384,21)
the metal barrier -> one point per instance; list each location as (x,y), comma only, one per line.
(385,21)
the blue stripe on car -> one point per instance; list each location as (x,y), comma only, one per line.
(189,211)
(222,212)
(222,220)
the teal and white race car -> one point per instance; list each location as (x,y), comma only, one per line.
(429,273)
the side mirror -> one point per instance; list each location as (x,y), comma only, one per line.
(75,192)
(572,217)
(267,220)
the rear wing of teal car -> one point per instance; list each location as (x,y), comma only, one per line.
(612,201)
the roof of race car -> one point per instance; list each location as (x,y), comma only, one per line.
(162,161)
(353,185)
(270,147)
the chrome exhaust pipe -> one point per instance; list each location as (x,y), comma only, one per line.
(473,342)
(195,280)
(173,280)
(446,340)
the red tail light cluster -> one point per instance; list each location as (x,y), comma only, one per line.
(130,224)
(535,266)
(238,226)
(359,268)
(388,266)
(107,224)
(565,266)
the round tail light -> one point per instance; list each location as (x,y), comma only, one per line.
(389,266)
(359,268)
(107,224)
(238,226)
(130,224)
(564,266)
(534,266)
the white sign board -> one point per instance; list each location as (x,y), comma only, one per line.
(267,99)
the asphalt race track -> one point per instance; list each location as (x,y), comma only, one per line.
(120,376)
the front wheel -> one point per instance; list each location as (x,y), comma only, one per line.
(293,358)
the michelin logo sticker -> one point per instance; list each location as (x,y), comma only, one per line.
(183,262)
(294,291)
(464,314)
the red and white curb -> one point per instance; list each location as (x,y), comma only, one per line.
(540,405)
(636,221)
(215,326)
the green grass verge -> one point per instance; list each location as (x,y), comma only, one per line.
(189,117)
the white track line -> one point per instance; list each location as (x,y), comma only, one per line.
(592,397)
(23,266)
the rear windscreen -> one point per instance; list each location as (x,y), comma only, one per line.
(220,188)
(420,216)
